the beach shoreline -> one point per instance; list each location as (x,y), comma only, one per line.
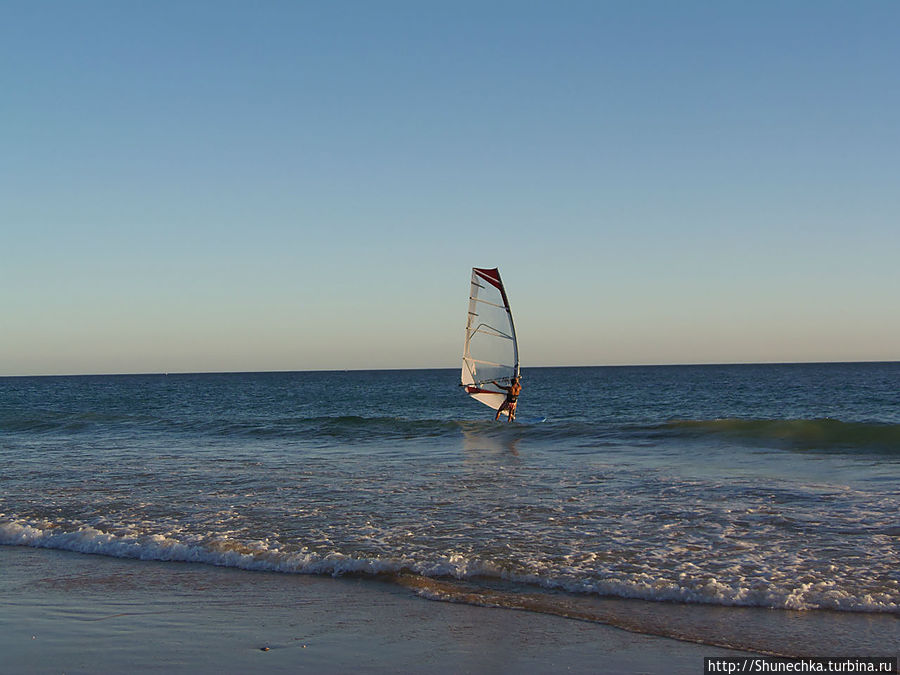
(79,613)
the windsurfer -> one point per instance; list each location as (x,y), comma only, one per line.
(512,395)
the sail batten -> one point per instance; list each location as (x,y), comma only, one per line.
(491,363)
(491,352)
(492,304)
(494,332)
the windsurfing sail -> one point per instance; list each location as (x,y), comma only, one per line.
(491,352)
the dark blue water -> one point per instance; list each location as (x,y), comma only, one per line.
(725,486)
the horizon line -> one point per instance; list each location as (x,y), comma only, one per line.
(368,370)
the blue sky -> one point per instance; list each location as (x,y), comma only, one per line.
(206,186)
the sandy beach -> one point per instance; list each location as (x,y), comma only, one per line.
(65,612)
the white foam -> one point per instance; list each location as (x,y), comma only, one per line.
(219,551)
(687,587)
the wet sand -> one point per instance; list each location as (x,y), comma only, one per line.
(76,613)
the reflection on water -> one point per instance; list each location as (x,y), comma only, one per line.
(478,442)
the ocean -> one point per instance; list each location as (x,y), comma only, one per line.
(747,506)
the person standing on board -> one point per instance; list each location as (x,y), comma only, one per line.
(512,395)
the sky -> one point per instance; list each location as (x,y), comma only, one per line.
(195,186)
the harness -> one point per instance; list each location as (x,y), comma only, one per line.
(511,397)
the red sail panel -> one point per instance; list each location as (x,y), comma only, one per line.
(490,275)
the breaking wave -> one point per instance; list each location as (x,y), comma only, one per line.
(223,551)
(801,434)
(804,434)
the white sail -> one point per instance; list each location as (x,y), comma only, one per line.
(491,352)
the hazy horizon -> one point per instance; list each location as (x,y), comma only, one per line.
(452,368)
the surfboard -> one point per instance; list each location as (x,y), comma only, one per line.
(531,420)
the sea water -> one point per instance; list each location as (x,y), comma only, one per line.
(729,505)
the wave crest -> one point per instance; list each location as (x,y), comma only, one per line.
(223,551)
(804,434)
